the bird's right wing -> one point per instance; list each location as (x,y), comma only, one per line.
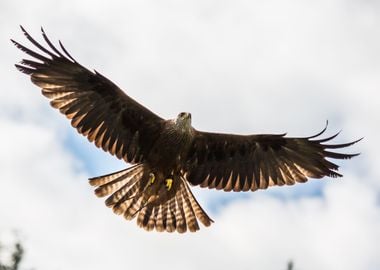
(98,109)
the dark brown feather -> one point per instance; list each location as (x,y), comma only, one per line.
(242,163)
(98,109)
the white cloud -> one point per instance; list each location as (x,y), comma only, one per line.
(317,233)
(264,66)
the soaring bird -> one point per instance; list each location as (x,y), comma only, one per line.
(167,155)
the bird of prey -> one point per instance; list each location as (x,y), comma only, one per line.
(167,155)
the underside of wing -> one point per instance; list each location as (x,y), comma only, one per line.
(243,163)
(98,109)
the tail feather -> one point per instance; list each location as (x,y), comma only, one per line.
(125,193)
(144,218)
(108,184)
(130,195)
(188,221)
(181,221)
(189,213)
(199,212)
(135,206)
(104,179)
(170,217)
(152,220)
(154,217)
(121,205)
(161,217)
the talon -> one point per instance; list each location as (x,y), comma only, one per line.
(152,177)
(169,183)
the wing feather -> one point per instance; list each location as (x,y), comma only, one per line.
(242,163)
(97,108)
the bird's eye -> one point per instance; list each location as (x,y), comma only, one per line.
(182,114)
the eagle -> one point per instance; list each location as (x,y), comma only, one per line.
(168,155)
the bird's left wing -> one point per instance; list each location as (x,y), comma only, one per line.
(242,163)
(98,109)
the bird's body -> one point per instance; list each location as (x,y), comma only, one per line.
(168,154)
(173,143)
(158,185)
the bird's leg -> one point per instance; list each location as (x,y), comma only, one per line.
(169,183)
(152,177)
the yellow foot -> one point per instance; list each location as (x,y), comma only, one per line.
(152,177)
(169,183)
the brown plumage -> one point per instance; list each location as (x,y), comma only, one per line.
(167,154)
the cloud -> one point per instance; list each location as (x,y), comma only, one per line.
(318,233)
(238,66)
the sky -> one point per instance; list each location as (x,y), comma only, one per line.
(239,67)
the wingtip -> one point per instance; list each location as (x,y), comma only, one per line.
(24,31)
(356,154)
(321,132)
(66,52)
(358,140)
(326,125)
(328,138)
(334,174)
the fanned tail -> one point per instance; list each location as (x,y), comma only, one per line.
(179,213)
(132,194)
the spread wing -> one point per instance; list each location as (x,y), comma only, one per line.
(98,109)
(242,163)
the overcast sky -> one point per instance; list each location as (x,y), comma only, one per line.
(239,67)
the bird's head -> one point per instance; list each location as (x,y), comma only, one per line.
(184,120)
